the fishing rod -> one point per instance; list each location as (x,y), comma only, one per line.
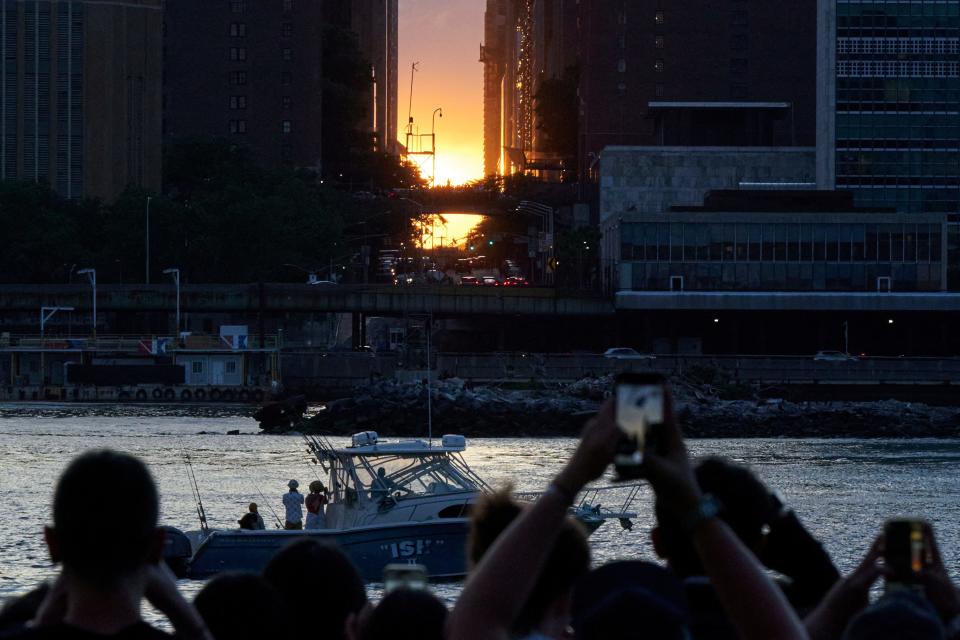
(267,502)
(201,512)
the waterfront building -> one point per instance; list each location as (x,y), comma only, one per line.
(247,70)
(783,241)
(889,94)
(80,94)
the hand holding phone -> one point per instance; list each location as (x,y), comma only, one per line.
(906,550)
(639,412)
(404,576)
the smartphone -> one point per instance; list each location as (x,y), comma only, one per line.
(639,399)
(906,549)
(404,576)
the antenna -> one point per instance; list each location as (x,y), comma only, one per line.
(413,69)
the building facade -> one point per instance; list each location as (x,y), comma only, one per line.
(81,94)
(681,72)
(376,23)
(889,91)
(249,70)
(760,241)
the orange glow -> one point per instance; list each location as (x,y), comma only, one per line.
(448,230)
(444,37)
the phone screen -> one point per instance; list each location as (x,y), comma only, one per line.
(638,408)
(398,576)
(905,549)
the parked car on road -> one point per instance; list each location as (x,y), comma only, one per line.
(490,281)
(626,353)
(469,281)
(834,356)
(516,281)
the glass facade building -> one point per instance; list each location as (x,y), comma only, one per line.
(898,103)
(783,252)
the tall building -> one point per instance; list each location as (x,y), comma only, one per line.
(376,24)
(525,42)
(80,88)
(249,70)
(681,72)
(889,92)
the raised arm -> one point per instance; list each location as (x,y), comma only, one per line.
(754,604)
(499,586)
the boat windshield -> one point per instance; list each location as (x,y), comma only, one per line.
(403,476)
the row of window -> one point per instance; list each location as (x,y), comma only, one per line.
(240,126)
(239,78)
(240,6)
(897,69)
(893,8)
(780,242)
(894,46)
(238,103)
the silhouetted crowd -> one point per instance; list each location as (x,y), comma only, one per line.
(737,563)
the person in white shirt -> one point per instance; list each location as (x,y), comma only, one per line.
(293,503)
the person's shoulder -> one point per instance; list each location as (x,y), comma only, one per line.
(139,631)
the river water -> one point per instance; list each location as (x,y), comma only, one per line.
(842,489)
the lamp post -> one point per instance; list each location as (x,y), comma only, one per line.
(92,277)
(176,280)
(147,242)
(45,314)
(433,140)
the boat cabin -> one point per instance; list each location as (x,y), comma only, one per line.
(372,481)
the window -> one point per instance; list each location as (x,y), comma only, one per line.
(238,78)
(658,66)
(238,30)
(238,126)
(231,366)
(238,6)
(286,78)
(659,17)
(287,126)
(238,102)
(287,6)
(658,42)
(287,29)
(658,90)
(287,54)
(287,102)
(196,366)
(238,54)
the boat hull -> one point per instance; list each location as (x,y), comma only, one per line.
(439,545)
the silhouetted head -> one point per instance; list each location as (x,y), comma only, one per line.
(381,472)
(904,615)
(746,508)
(253,507)
(630,599)
(568,560)
(105,510)
(406,614)
(293,484)
(243,606)
(312,576)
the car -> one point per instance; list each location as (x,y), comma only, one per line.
(834,356)
(469,281)
(626,353)
(489,281)
(516,281)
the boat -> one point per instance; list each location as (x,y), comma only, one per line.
(390,502)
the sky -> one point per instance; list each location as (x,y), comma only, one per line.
(444,36)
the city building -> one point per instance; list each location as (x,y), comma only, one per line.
(525,42)
(889,99)
(682,73)
(80,88)
(637,183)
(376,25)
(783,241)
(248,70)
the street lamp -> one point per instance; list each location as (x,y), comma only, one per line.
(433,140)
(176,280)
(45,314)
(92,277)
(147,241)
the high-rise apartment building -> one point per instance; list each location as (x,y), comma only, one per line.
(376,23)
(250,70)
(80,94)
(889,92)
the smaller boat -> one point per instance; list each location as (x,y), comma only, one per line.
(390,502)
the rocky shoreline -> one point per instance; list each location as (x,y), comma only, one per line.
(400,410)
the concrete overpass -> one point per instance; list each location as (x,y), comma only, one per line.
(786,301)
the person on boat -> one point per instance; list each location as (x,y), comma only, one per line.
(252,520)
(315,503)
(293,503)
(384,486)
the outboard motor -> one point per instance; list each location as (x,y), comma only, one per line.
(176,551)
